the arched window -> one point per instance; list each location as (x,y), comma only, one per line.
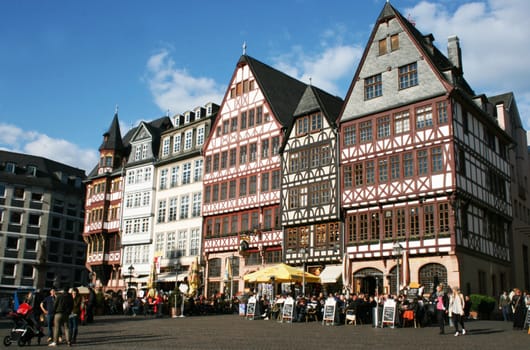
(430,275)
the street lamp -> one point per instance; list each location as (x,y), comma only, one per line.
(303,251)
(397,249)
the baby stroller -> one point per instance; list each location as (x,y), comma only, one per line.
(24,328)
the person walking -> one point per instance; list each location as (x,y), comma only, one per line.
(62,309)
(519,307)
(183,288)
(47,306)
(73,319)
(442,303)
(456,310)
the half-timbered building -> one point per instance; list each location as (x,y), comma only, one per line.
(138,196)
(241,209)
(104,189)
(509,120)
(424,166)
(178,221)
(310,201)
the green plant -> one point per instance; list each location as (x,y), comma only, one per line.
(482,304)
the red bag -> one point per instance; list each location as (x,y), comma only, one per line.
(23,309)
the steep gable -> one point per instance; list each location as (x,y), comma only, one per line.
(399,65)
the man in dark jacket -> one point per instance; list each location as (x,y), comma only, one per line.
(63,308)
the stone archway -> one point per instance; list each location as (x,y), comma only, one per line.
(432,274)
(367,280)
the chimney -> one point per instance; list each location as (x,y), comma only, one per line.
(454,52)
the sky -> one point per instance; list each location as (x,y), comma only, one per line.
(67,65)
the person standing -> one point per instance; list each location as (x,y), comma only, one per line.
(73,319)
(91,304)
(505,306)
(62,309)
(441,302)
(183,288)
(519,307)
(47,306)
(456,309)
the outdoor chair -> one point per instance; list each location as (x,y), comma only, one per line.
(350,318)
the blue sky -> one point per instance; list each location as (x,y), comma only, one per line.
(65,65)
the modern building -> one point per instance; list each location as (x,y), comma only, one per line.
(310,200)
(242,181)
(425,169)
(41,223)
(179,171)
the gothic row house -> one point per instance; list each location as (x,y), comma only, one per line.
(242,174)
(425,169)
(311,217)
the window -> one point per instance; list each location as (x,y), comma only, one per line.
(349,135)
(15,218)
(232,189)
(163,179)
(275,145)
(243,154)
(359,174)
(383,127)
(197,171)
(370,172)
(316,122)
(243,121)
(10,167)
(9,269)
(172,215)
(188,139)
(34,220)
(373,87)
(176,143)
(195,241)
(226,127)
(233,124)
(443,217)
(224,159)
(302,126)
(161,211)
(348,176)
(443,117)
(275,180)
(232,159)
(174,176)
(382,46)
(2,190)
(12,243)
(32,169)
(408,165)
(424,117)
(184,207)
(253,152)
(186,173)
(165,146)
(428,218)
(196,210)
(18,193)
(242,187)
(383,170)
(394,167)
(388,222)
(423,165)
(408,75)
(264,182)
(200,136)
(401,122)
(394,42)
(365,130)
(265,148)
(436,159)
(181,243)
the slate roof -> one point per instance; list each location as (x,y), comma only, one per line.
(112,138)
(281,91)
(47,176)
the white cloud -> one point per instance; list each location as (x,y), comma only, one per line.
(176,89)
(14,139)
(493,40)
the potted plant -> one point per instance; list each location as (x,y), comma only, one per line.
(481,306)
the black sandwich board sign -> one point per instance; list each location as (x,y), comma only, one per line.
(288,310)
(329,312)
(251,308)
(389,313)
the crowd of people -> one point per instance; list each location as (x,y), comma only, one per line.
(514,306)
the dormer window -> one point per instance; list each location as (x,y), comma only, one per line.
(198,113)
(10,167)
(31,170)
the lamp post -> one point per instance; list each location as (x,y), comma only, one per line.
(303,251)
(397,249)
(177,269)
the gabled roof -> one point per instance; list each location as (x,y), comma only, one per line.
(440,61)
(281,91)
(112,138)
(314,100)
